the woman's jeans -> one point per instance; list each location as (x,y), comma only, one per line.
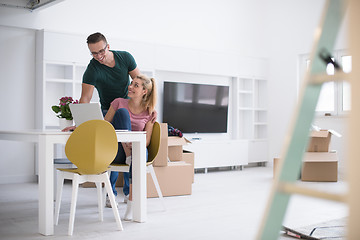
(121,121)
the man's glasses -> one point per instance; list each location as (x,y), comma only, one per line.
(101,52)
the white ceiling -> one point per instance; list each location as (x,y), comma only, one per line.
(30,5)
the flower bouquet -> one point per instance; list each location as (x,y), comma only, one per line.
(63,109)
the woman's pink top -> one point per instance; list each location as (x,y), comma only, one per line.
(138,121)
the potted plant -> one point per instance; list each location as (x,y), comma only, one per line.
(63,111)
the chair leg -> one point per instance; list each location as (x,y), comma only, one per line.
(55,181)
(157,186)
(100,200)
(75,189)
(60,185)
(112,200)
(104,195)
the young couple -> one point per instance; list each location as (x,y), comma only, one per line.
(127,106)
(135,114)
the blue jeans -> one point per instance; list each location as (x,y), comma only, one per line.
(121,121)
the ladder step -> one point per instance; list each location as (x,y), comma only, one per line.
(291,188)
(322,78)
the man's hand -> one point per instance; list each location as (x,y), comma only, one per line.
(153,116)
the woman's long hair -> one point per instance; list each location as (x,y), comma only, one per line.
(150,98)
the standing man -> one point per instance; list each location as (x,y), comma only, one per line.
(108,72)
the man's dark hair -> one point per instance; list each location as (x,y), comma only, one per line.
(95,38)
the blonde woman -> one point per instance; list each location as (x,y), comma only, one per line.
(136,114)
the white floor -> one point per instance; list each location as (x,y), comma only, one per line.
(223,205)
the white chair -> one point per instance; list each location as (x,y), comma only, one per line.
(60,163)
(91,147)
(153,150)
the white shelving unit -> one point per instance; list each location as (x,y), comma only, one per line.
(251,116)
(56,77)
(60,79)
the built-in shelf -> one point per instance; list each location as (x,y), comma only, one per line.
(55,78)
(251,117)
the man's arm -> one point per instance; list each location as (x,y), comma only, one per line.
(134,73)
(86,93)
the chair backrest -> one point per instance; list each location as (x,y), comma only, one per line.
(154,145)
(92,146)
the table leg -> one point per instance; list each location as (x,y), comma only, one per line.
(139,180)
(46,179)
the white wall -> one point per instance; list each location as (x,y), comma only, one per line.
(221,25)
(17,98)
(291,33)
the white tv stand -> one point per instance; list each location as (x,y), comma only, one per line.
(218,153)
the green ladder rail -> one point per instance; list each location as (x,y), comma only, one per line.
(295,145)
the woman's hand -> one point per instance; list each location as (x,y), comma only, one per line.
(68,129)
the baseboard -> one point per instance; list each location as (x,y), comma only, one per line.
(18,179)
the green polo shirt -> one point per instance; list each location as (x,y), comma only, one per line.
(110,82)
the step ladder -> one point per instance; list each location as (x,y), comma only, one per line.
(294,148)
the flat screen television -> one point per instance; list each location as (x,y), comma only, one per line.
(196,108)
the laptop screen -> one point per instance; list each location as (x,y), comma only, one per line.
(86,111)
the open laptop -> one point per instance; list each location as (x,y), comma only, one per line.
(83,112)
(86,111)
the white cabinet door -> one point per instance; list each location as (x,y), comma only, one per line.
(258,151)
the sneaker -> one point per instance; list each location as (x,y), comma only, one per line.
(128,212)
(108,203)
(126,198)
(128,160)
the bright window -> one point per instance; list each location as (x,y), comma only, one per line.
(335,98)
(346,96)
(326,102)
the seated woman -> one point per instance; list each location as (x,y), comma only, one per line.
(136,114)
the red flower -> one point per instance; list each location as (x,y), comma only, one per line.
(63,108)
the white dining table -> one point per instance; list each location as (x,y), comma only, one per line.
(45,140)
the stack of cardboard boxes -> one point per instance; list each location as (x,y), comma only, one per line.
(320,164)
(174,168)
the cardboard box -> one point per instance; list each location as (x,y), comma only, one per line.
(320,167)
(170,147)
(175,150)
(275,166)
(189,157)
(320,140)
(174,179)
(120,180)
(88,185)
